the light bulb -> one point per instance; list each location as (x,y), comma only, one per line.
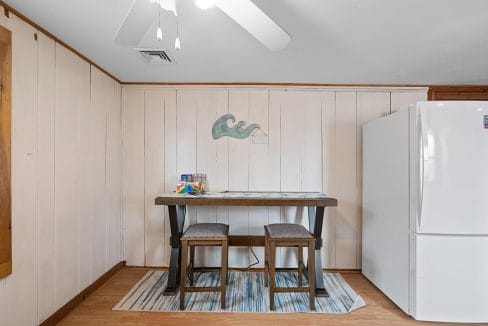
(159,34)
(177,44)
(205,4)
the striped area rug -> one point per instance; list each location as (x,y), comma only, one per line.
(245,293)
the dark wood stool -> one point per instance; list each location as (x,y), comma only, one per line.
(289,235)
(203,234)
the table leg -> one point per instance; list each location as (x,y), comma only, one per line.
(176,222)
(315,222)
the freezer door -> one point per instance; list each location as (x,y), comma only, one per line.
(450,283)
(453,168)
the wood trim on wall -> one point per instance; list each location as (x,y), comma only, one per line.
(5,152)
(73,303)
(458,92)
(299,84)
(8,9)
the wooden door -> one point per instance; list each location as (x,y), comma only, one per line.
(5,155)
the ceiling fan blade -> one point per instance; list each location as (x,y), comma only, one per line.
(256,22)
(136,23)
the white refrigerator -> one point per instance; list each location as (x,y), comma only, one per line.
(425,209)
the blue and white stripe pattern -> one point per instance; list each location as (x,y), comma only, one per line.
(245,293)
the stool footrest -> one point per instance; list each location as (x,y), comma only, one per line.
(202,289)
(297,289)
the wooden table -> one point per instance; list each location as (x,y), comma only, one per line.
(316,203)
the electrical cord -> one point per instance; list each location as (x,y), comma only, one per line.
(249,257)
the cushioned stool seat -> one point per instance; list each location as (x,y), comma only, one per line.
(287,230)
(207,230)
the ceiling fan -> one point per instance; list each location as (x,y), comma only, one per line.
(244,12)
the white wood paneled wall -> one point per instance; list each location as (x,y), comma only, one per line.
(67,176)
(314,145)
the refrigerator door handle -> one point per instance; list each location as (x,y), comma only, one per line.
(421,168)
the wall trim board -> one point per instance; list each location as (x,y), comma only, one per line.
(274,87)
(73,303)
(458,92)
(8,9)
(5,152)
(399,86)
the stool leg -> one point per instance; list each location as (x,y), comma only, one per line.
(192,264)
(184,261)
(272,261)
(223,277)
(266,261)
(311,272)
(300,264)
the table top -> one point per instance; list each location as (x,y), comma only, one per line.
(234,198)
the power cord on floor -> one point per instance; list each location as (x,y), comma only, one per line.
(250,250)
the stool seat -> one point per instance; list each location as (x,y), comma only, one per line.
(207,230)
(287,230)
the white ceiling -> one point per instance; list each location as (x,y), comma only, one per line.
(333,41)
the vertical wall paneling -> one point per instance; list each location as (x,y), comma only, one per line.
(58,147)
(276,99)
(20,290)
(66,176)
(113,173)
(239,175)
(186,140)
(100,84)
(133,104)
(212,159)
(328,175)
(301,154)
(46,245)
(170,170)
(346,180)
(84,199)
(117,165)
(154,175)
(313,144)
(264,164)
(401,99)
(370,106)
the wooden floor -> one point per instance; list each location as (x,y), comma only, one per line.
(97,309)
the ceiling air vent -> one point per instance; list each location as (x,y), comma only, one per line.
(153,56)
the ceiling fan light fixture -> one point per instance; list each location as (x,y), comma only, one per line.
(177,44)
(205,4)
